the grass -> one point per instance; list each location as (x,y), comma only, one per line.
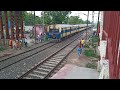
(86,46)
(90,47)
(89,53)
(91,65)
(94,39)
(1,48)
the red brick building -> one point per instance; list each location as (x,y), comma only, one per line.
(110,35)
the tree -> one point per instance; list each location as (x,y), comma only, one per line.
(47,17)
(29,18)
(86,21)
(38,20)
(56,17)
(75,20)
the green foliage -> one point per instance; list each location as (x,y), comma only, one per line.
(50,17)
(86,46)
(95,38)
(28,18)
(89,53)
(47,17)
(91,65)
(75,20)
(86,21)
(1,48)
(56,17)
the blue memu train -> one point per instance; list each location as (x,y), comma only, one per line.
(59,31)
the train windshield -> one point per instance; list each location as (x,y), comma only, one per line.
(54,30)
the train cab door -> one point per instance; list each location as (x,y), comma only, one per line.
(70,30)
(65,32)
(61,32)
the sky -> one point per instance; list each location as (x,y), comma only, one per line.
(78,13)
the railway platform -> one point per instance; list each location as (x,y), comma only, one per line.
(70,71)
(75,68)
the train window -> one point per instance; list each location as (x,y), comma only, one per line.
(54,30)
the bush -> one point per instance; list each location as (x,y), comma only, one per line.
(86,46)
(95,38)
(89,53)
(91,65)
(1,48)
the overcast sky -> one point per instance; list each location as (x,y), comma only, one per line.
(78,13)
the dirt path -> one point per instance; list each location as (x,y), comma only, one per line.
(73,59)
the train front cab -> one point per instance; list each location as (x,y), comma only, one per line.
(54,33)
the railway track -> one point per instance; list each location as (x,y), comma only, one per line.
(44,69)
(63,62)
(19,57)
(35,59)
(49,64)
(2,58)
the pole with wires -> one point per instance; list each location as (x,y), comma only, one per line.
(43,21)
(93,17)
(34,27)
(87,24)
(98,21)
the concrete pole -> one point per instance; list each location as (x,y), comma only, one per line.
(43,21)
(34,27)
(1,28)
(22,26)
(17,27)
(98,21)
(93,17)
(11,25)
(6,25)
(87,24)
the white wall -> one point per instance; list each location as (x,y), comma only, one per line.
(101,24)
(103,64)
(28,28)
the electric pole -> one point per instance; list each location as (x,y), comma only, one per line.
(87,24)
(1,29)
(43,21)
(93,17)
(98,21)
(34,27)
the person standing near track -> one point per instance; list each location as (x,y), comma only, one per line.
(82,42)
(10,43)
(79,49)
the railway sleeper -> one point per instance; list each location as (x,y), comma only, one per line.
(35,76)
(39,72)
(27,78)
(54,63)
(60,55)
(57,57)
(55,60)
(51,65)
(47,67)
(44,69)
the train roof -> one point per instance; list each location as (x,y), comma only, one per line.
(69,25)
